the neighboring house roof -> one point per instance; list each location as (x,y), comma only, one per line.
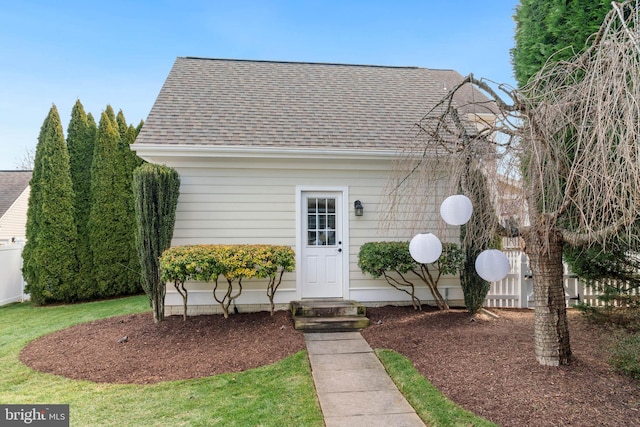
(12,185)
(293,105)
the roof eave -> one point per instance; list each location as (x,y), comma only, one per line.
(159,153)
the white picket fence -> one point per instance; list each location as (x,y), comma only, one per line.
(11,282)
(516,290)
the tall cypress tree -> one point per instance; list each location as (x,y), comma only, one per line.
(111,221)
(49,256)
(80,142)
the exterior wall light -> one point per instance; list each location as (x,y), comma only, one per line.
(357,206)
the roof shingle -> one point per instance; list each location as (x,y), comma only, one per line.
(218,102)
(12,184)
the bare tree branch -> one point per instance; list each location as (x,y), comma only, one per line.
(571,137)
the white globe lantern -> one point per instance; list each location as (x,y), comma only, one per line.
(492,265)
(456,210)
(425,248)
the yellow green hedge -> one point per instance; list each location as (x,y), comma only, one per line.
(233,262)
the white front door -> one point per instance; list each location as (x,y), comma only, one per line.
(321,245)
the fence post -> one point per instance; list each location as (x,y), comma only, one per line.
(522,285)
(21,243)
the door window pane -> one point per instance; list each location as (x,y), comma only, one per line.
(331,206)
(322,205)
(312,238)
(321,221)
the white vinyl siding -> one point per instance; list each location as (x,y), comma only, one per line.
(249,202)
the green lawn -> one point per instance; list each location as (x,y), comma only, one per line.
(431,405)
(281,394)
(276,395)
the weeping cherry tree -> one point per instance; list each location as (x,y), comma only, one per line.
(567,145)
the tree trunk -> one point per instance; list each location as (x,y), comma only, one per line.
(437,296)
(551,329)
(157,300)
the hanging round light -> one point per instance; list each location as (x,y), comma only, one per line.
(492,265)
(425,248)
(456,209)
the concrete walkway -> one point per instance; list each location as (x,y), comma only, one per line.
(352,385)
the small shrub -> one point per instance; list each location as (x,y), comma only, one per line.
(393,261)
(626,354)
(623,317)
(379,259)
(587,310)
(625,350)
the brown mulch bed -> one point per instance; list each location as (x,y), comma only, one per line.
(486,365)
(171,350)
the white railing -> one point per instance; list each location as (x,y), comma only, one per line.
(516,290)
(11,282)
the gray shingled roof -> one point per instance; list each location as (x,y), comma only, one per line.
(12,184)
(242,103)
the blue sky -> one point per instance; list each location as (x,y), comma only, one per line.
(119,52)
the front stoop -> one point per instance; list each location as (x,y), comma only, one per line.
(328,315)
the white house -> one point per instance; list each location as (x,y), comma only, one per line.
(14,199)
(279,153)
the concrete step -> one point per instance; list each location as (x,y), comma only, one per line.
(328,315)
(327,308)
(330,324)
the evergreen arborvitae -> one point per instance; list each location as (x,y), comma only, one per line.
(122,123)
(128,133)
(30,267)
(130,137)
(553,27)
(112,117)
(475,239)
(554,30)
(49,255)
(131,162)
(80,142)
(156,190)
(111,221)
